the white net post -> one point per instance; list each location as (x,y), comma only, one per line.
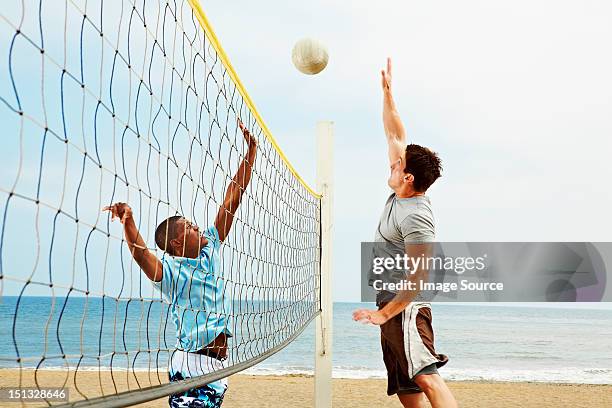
(323,331)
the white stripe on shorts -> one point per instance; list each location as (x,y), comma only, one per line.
(417,354)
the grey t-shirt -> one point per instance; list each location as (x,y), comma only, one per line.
(403,220)
(408,220)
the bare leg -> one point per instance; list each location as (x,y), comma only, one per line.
(438,393)
(416,400)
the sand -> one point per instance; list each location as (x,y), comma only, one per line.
(297,391)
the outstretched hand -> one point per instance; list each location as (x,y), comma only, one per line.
(370,316)
(122,211)
(248,137)
(386,77)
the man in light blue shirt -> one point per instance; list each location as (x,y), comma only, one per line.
(194,289)
(190,280)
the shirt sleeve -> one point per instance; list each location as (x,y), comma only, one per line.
(213,236)
(416,228)
(164,284)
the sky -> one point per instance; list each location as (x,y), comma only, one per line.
(514,96)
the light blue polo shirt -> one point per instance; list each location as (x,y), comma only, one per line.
(195,291)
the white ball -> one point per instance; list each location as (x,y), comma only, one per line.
(309,56)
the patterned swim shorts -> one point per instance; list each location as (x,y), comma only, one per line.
(187,365)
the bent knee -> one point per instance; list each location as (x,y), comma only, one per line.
(428,382)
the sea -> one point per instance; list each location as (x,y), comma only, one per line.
(485,342)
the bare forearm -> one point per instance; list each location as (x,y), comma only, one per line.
(394,308)
(148,262)
(233,195)
(403,298)
(394,128)
(243,175)
(241,180)
(136,243)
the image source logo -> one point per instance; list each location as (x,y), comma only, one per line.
(487,271)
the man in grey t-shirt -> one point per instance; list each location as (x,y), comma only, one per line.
(407,337)
(404,220)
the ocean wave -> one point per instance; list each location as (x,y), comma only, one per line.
(568,375)
(559,376)
(565,376)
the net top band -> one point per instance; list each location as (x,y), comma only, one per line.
(214,41)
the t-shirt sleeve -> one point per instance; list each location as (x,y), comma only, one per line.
(416,228)
(164,284)
(213,236)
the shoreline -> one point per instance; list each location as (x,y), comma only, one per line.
(93,369)
(297,390)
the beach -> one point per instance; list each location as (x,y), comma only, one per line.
(297,390)
(518,357)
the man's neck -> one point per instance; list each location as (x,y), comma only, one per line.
(408,194)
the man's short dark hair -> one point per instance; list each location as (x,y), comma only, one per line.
(424,165)
(165,232)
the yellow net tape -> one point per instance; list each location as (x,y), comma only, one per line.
(210,34)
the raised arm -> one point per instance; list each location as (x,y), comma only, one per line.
(394,129)
(150,265)
(234,192)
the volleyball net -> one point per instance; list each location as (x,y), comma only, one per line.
(135,102)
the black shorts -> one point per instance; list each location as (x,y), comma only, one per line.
(414,323)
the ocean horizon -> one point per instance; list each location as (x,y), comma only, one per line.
(485,342)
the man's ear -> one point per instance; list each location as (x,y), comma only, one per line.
(176,245)
(408,178)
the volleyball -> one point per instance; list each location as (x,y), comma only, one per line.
(309,56)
